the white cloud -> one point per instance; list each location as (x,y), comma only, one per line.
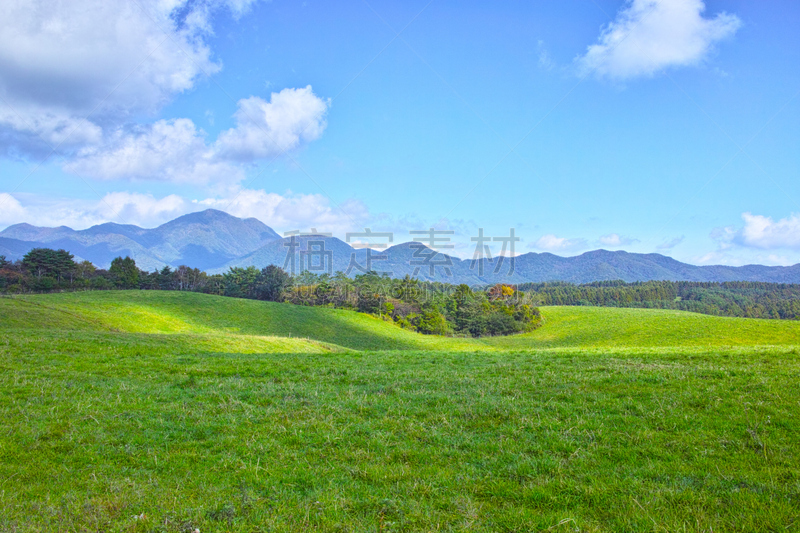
(765,233)
(31,130)
(726,257)
(168,150)
(294,211)
(11,211)
(282,212)
(143,208)
(177,151)
(119,207)
(552,243)
(758,241)
(77,74)
(780,260)
(615,240)
(61,61)
(649,36)
(264,129)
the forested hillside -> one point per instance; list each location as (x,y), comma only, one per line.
(733,298)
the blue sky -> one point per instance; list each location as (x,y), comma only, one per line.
(666,126)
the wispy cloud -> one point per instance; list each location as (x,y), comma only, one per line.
(545,61)
(669,245)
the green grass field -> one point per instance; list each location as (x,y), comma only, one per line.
(163,411)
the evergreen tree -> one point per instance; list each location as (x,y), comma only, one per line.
(124,273)
(44,262)
(271,283)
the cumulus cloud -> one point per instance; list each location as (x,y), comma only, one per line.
(264,129)
(168,150)
(75,75)
(760,240)
(763,232)
(25,131)
(552,243)
(177,151)
(614,240)
(61,62)
(649,36)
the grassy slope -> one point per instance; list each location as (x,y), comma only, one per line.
(173,312)
(606,327)
(164,406)
(565,327)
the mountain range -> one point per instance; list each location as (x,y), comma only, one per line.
(204,240)
(214,241)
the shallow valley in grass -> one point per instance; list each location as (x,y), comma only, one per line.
(136,411)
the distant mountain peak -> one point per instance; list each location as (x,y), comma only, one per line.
(203,216)
(412,245)
(18,227)
(204,239)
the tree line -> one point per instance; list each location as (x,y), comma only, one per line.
(46,270)
(425,307)
(746,299)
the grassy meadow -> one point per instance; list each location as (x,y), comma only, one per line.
(166,411)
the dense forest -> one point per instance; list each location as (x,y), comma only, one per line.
(426,307)
(734,298)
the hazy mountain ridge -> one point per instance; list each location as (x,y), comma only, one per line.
(215,241)
(205,240)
